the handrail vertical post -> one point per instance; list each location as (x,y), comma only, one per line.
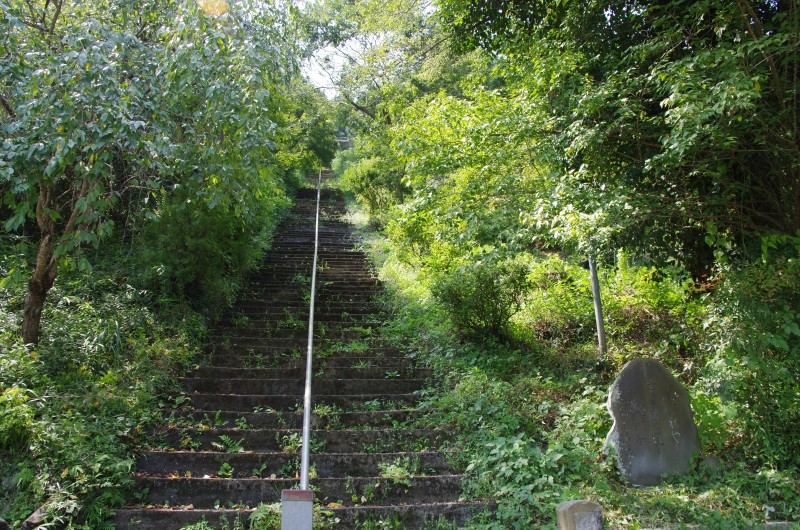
(297,506)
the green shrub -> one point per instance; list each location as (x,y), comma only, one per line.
(192,250)
(373,181)
(16,418)
(752,332)
(559,307)
(482,296)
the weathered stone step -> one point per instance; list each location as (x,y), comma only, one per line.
(299,294)
(293,361)
(286,343)
(299,298)
(322,440)
(286,347)
(298,371)
(412,517)
(330,264)
(266,282)
(327,228)
(252,359)
(245,346)
(386,367)
(293,420)
(295,386)
(341,252)
(207,492)
(283,323)
(326,282)
(292,277)
(299,331)
(351,402)
(300,238)
(333,257)
(285,465)
(347,319)
(334,306)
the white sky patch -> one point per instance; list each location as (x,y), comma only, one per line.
(323,70)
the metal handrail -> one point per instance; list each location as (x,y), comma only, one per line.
(305,452)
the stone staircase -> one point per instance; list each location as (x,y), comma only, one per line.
(234,438)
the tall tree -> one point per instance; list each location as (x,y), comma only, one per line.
(676,119)
(102,98)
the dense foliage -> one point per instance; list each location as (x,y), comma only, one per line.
(148,150)
(73,409)
(659,138)
(119,113)
(530,415)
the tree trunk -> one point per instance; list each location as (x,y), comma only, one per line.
(42,279)
(44,272)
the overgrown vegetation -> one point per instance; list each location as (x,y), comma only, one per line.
(75,406)
(147,152)
(530,414)
(644,135)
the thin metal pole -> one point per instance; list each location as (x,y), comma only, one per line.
(598,309)
(305,452)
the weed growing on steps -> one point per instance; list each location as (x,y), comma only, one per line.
(326,416)
(214,423)
(228,445)
(401,468)
(293,442)
(391,522)
(242,423)
(225,470)
(242,321)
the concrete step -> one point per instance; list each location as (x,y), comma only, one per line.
(412,517)
(289,325)
(298,372)
(322,440)
(287,348)
(379,419)
(286,316)
(345,491)
(299,331)
(351,402)
(291,360)
(255,309)
(286,465)
(287,342)
(295,386)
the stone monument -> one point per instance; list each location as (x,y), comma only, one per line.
(579,515)
(654,432)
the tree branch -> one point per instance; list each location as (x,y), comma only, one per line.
(360,108)
(747,11)
(58,4)
(7,105)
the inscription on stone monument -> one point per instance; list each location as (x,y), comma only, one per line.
(654,432)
